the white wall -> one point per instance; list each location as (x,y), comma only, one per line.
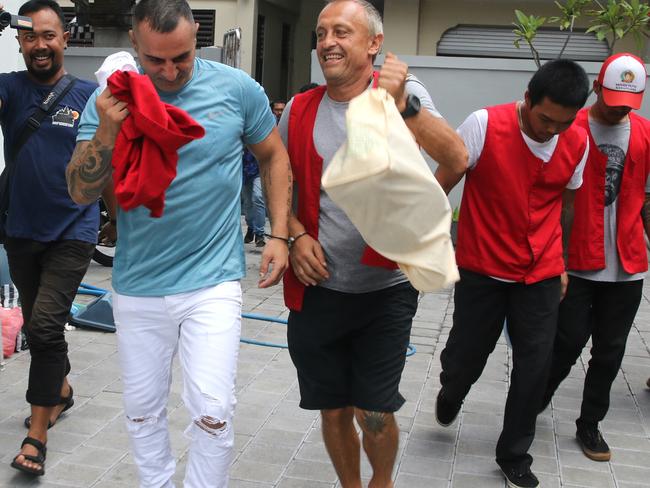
(401,26)
(226,15)
(10,60)
(458,86)
(436,16)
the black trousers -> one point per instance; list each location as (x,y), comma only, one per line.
(481,306)
(605,311)
(47,276)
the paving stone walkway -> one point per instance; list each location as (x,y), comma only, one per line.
(279,445)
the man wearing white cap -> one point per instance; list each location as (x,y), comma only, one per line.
(607,258)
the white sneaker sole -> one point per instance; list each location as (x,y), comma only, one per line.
(435,414)
(513,485)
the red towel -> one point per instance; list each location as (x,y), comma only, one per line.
(145,154)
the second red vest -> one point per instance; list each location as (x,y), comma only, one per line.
(509,222)
(587,244)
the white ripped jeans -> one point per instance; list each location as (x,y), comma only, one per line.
(204,326)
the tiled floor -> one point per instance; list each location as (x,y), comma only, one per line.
(279,445)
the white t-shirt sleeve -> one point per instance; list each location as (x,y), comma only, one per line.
(576,180)
(413,86)
(473,132)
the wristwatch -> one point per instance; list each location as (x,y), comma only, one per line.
(291,240)
(413,106)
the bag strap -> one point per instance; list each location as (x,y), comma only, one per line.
(48,104)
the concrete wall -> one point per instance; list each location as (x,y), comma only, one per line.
(436,16)
(401,26)
(272,79)
(305,25)
(459,86)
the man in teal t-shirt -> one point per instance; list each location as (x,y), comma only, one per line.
(176,277)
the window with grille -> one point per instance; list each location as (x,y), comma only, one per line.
(498,42)
(205,35)
(80,35)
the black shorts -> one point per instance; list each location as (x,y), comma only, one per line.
(350,349)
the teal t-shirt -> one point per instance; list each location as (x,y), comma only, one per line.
(197,242)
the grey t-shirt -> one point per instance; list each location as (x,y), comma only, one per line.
(340,240)
(612,141)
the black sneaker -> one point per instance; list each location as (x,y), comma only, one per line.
(446,411)
(249,236)
(259,241)
(592,443)
(520,476)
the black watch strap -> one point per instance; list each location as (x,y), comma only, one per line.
(292,240)
(413,106)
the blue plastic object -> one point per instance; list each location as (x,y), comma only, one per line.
(98,314)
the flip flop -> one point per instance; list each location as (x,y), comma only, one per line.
(39,459)
(67,401)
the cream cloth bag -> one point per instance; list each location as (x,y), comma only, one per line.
(381,181)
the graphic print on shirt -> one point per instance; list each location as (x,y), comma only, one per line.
(65,117)
(614,173)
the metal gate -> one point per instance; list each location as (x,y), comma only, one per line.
(231,53)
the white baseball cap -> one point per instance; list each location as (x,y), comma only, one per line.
(622,78)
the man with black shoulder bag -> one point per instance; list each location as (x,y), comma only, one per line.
(48,238)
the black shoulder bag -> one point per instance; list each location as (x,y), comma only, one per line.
(48,104)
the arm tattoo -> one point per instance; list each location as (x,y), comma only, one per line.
(89,171)
(375,422)
(265,175)
(290,192)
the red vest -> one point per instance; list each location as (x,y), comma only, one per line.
(307,168)
(509,222)
(587,244)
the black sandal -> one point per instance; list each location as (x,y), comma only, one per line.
(68,402)
(39,459)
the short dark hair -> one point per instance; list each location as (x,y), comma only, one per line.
(34,6)
(307,87)
(162,15)
(562,81)
(278,101)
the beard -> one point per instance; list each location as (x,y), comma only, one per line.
(44,74)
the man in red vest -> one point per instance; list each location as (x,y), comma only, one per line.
(350,323)
(525,161)
(607,257)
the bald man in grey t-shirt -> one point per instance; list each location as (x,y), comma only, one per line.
(336,231)
(350,323)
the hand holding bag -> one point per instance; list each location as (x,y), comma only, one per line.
(382,182)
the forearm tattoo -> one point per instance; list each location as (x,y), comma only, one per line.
(290,190)
(375,422)
(265,175)
(89,171)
